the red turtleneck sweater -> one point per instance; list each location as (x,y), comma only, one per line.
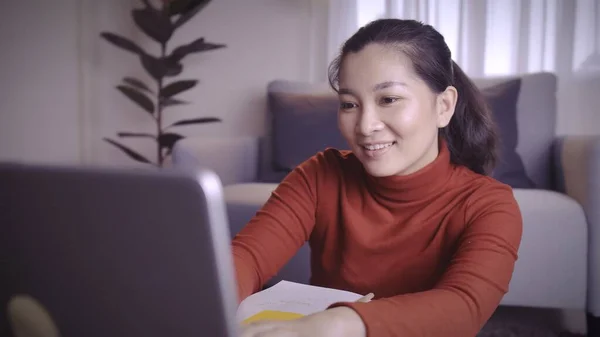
(437,247)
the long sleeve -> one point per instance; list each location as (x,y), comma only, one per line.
(472,286)
(278,230)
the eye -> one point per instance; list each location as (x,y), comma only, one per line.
(347,105)
(389,100)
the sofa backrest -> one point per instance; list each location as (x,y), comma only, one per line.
(536,123)
(302,120)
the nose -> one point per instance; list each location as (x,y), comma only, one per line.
(368,122)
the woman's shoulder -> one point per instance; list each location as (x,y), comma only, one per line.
(487,194)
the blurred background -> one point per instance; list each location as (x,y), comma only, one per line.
(58,76)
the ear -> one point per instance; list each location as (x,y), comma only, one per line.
(446,103)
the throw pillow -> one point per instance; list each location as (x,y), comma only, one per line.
(502,100)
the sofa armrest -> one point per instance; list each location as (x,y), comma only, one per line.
(578,175)
(234,159)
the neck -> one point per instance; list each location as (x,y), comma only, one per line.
(418,185)
(427,158)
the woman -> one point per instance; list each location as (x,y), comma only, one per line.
(409,214)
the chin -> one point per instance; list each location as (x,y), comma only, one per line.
(384,164)
(381,170)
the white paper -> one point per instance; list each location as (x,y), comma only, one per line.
(293,297)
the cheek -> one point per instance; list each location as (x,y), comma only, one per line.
(412,119)
(346,124)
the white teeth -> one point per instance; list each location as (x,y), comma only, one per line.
(377,146)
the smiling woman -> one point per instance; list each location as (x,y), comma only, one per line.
(408,214)
(418,105)
(398,119)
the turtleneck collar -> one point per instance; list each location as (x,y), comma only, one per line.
(416,186)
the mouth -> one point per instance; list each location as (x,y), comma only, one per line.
(374,150)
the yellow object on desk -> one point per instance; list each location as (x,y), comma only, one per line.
(272,315)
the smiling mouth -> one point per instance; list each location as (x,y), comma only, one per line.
(376,150)
(375,147)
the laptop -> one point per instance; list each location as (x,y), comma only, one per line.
(114,252)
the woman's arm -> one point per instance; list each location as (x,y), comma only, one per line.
(279,228)
(472,286)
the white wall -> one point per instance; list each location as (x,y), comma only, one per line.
(39,106)
(58,98)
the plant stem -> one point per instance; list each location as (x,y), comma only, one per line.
(159,154)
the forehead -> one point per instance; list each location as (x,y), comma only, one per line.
(374,64)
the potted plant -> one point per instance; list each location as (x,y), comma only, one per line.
(160,23)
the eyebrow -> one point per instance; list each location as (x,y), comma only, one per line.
(388,84)
(376,87)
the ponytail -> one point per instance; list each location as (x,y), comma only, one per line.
(471,135)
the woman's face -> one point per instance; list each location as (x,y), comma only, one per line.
(389,116)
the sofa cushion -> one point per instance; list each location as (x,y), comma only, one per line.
(554,237)
(243,201)
(304,122)
(502,100)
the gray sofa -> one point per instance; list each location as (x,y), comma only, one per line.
(559,258)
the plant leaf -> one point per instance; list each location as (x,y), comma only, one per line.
(173,69)
(176,7)
(153,23)
(158,68)
(168,140)
(137,83)
(135,135)
(123,42)
(194,6)
(131,153)
(138,97)
(177,87)
(196,46)
(172,101)
(201,120)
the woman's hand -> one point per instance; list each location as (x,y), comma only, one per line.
(336,322)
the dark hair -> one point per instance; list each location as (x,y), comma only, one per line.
(471,134)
